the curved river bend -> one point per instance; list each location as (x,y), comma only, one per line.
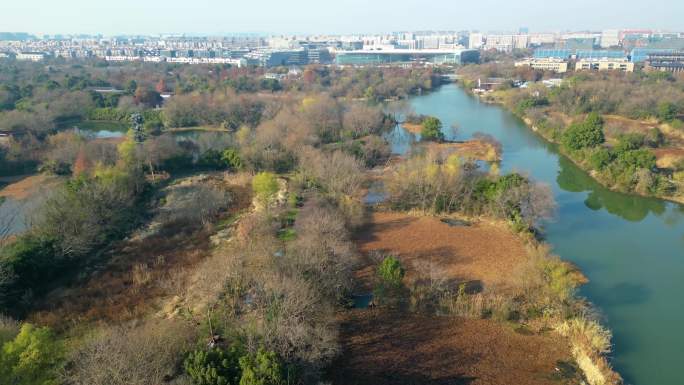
(631,248)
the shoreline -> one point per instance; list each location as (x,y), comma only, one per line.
(559,150)
(593,363)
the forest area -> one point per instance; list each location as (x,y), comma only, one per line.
(235,255)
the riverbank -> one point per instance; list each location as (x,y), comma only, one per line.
(628,246)
(548,136)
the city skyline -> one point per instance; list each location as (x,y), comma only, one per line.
(208,17)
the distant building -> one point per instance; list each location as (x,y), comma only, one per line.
(665,62)
(543,53)
(546,64)
(610,38)
(604,65)
(32,56)
(475,40)
(319,56)
(435,56)
(600,54)
(276,58)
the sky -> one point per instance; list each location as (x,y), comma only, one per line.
(217,17)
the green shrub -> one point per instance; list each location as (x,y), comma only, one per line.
(635,159)
(528,103)
(265,186)
(213,367)
(391,272)
(667,111)
(32,358)
(263,368)
(232,159)
(586,134)
(629,142)
(432,129)
(600,158)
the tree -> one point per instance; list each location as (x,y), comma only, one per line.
(432,129)
(586,134)
(147,97)
(32,358)
(265,186)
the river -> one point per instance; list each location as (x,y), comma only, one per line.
(631,248)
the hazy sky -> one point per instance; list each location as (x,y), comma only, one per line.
(325,16)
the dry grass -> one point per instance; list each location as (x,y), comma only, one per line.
(141,273)
(29,186)
(472,149)
(413,128)
(484,252)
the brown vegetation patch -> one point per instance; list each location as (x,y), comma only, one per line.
(471,149)
(627,124)
(483,251)
(413,128)
(141,271)
(668,156)
(387,347)
(27,186)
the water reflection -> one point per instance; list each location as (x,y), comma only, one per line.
(629,207)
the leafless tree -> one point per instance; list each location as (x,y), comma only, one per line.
(149,354)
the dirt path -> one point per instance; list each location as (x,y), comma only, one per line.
(383,346)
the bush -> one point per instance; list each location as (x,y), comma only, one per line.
(232,159)
(391,272)
(629,142)
(667,111)
(32,358)
(263,368)
(149,354)
(600,158)
(586,134)
(265,186)
(432,129)
(213,367)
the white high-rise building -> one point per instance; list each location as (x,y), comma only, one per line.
(610,38)
(476,40)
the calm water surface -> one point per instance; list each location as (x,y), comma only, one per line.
(631,248)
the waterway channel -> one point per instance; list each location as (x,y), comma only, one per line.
(631,248)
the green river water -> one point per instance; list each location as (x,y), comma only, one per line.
(631,248)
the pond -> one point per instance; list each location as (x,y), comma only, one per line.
(631,248)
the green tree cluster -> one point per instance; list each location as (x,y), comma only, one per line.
(586,134)
(432,129)
(31,358)
(233,366)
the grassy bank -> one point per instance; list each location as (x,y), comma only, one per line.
(628,158)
